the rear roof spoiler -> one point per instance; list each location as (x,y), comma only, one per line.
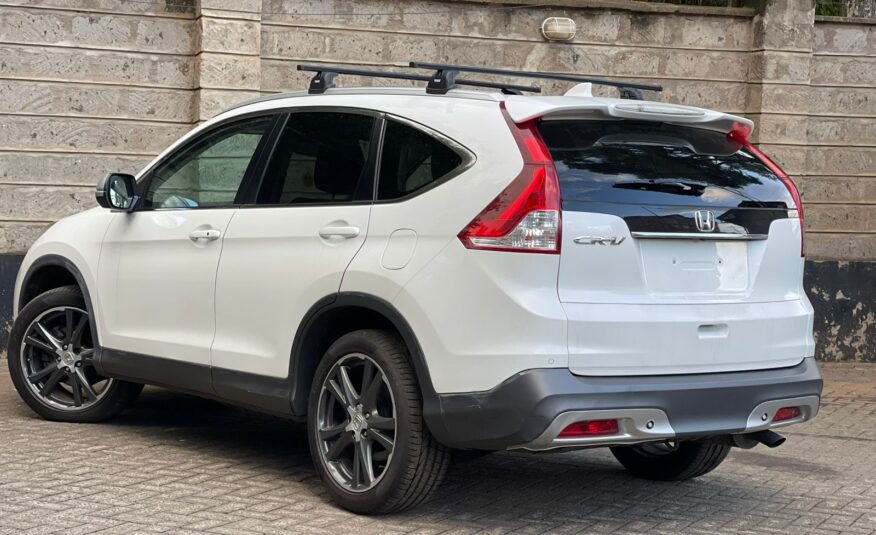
(549,107)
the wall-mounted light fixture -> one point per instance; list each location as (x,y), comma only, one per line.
(558,28)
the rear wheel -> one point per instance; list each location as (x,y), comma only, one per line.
(664,462)
(51,361)
(367,436)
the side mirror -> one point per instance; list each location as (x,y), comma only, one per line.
(116,192)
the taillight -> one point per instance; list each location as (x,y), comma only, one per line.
(740,135)
(526,216)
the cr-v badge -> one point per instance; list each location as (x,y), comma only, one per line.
(593,240)
(705,220)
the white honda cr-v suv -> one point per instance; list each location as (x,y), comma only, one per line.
(414,271)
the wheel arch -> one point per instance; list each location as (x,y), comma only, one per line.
(336,315)
(54,271)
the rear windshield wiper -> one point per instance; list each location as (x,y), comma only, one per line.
(674,187)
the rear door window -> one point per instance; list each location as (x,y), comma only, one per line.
(320,158)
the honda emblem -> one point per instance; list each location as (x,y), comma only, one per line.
(705,220)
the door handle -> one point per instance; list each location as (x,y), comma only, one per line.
(338,232)
(208,234)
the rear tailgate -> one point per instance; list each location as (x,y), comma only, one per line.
(681,250)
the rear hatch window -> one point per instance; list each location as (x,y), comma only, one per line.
(656,176)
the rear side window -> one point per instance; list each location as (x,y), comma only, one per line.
(413,160)
(320,158)
(649,163)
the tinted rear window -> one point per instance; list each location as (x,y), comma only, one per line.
(412,160)
(320,158)
(657,164)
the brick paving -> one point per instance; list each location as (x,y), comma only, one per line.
(178,464)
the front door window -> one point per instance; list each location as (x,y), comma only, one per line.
(208,172)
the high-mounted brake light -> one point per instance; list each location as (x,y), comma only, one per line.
(526,216)
(739,133)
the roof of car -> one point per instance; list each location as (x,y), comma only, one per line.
(409,91)
(523,108)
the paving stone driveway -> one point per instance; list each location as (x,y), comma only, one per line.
(177,464)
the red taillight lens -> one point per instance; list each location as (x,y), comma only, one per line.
(525,217)
(774,167)
(591,428)
(532,148)
(786,413)
(740,135)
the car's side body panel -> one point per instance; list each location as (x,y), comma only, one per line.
(156,286)
(274,266)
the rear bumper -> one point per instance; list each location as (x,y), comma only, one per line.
(529,409)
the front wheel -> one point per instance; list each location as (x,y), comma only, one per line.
(663,462)
(51,361)
(367,436)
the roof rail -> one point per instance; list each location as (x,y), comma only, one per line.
(445,79)
(325,79)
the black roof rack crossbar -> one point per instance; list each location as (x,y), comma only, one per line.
(444,78)
(325,79)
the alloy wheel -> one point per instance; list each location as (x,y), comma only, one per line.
(57,359)
(356,423)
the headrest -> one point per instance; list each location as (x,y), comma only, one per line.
(338,166)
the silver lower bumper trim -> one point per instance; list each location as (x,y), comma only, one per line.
(762,416)
(636,426)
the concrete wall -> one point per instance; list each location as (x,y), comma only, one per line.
(838,178)
(82,91)
(88,86)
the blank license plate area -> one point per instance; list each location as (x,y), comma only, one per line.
(695,266)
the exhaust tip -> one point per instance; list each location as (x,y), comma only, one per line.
(768,438)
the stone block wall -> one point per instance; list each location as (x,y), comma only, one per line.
(838,178)
(89,86)
(86,87)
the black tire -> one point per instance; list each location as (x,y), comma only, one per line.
(416,464)
(687,461)
(469,456)
(111,400)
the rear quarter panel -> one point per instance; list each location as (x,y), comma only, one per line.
(434,218)
(479,316)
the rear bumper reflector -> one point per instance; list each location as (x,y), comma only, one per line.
(590,428)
